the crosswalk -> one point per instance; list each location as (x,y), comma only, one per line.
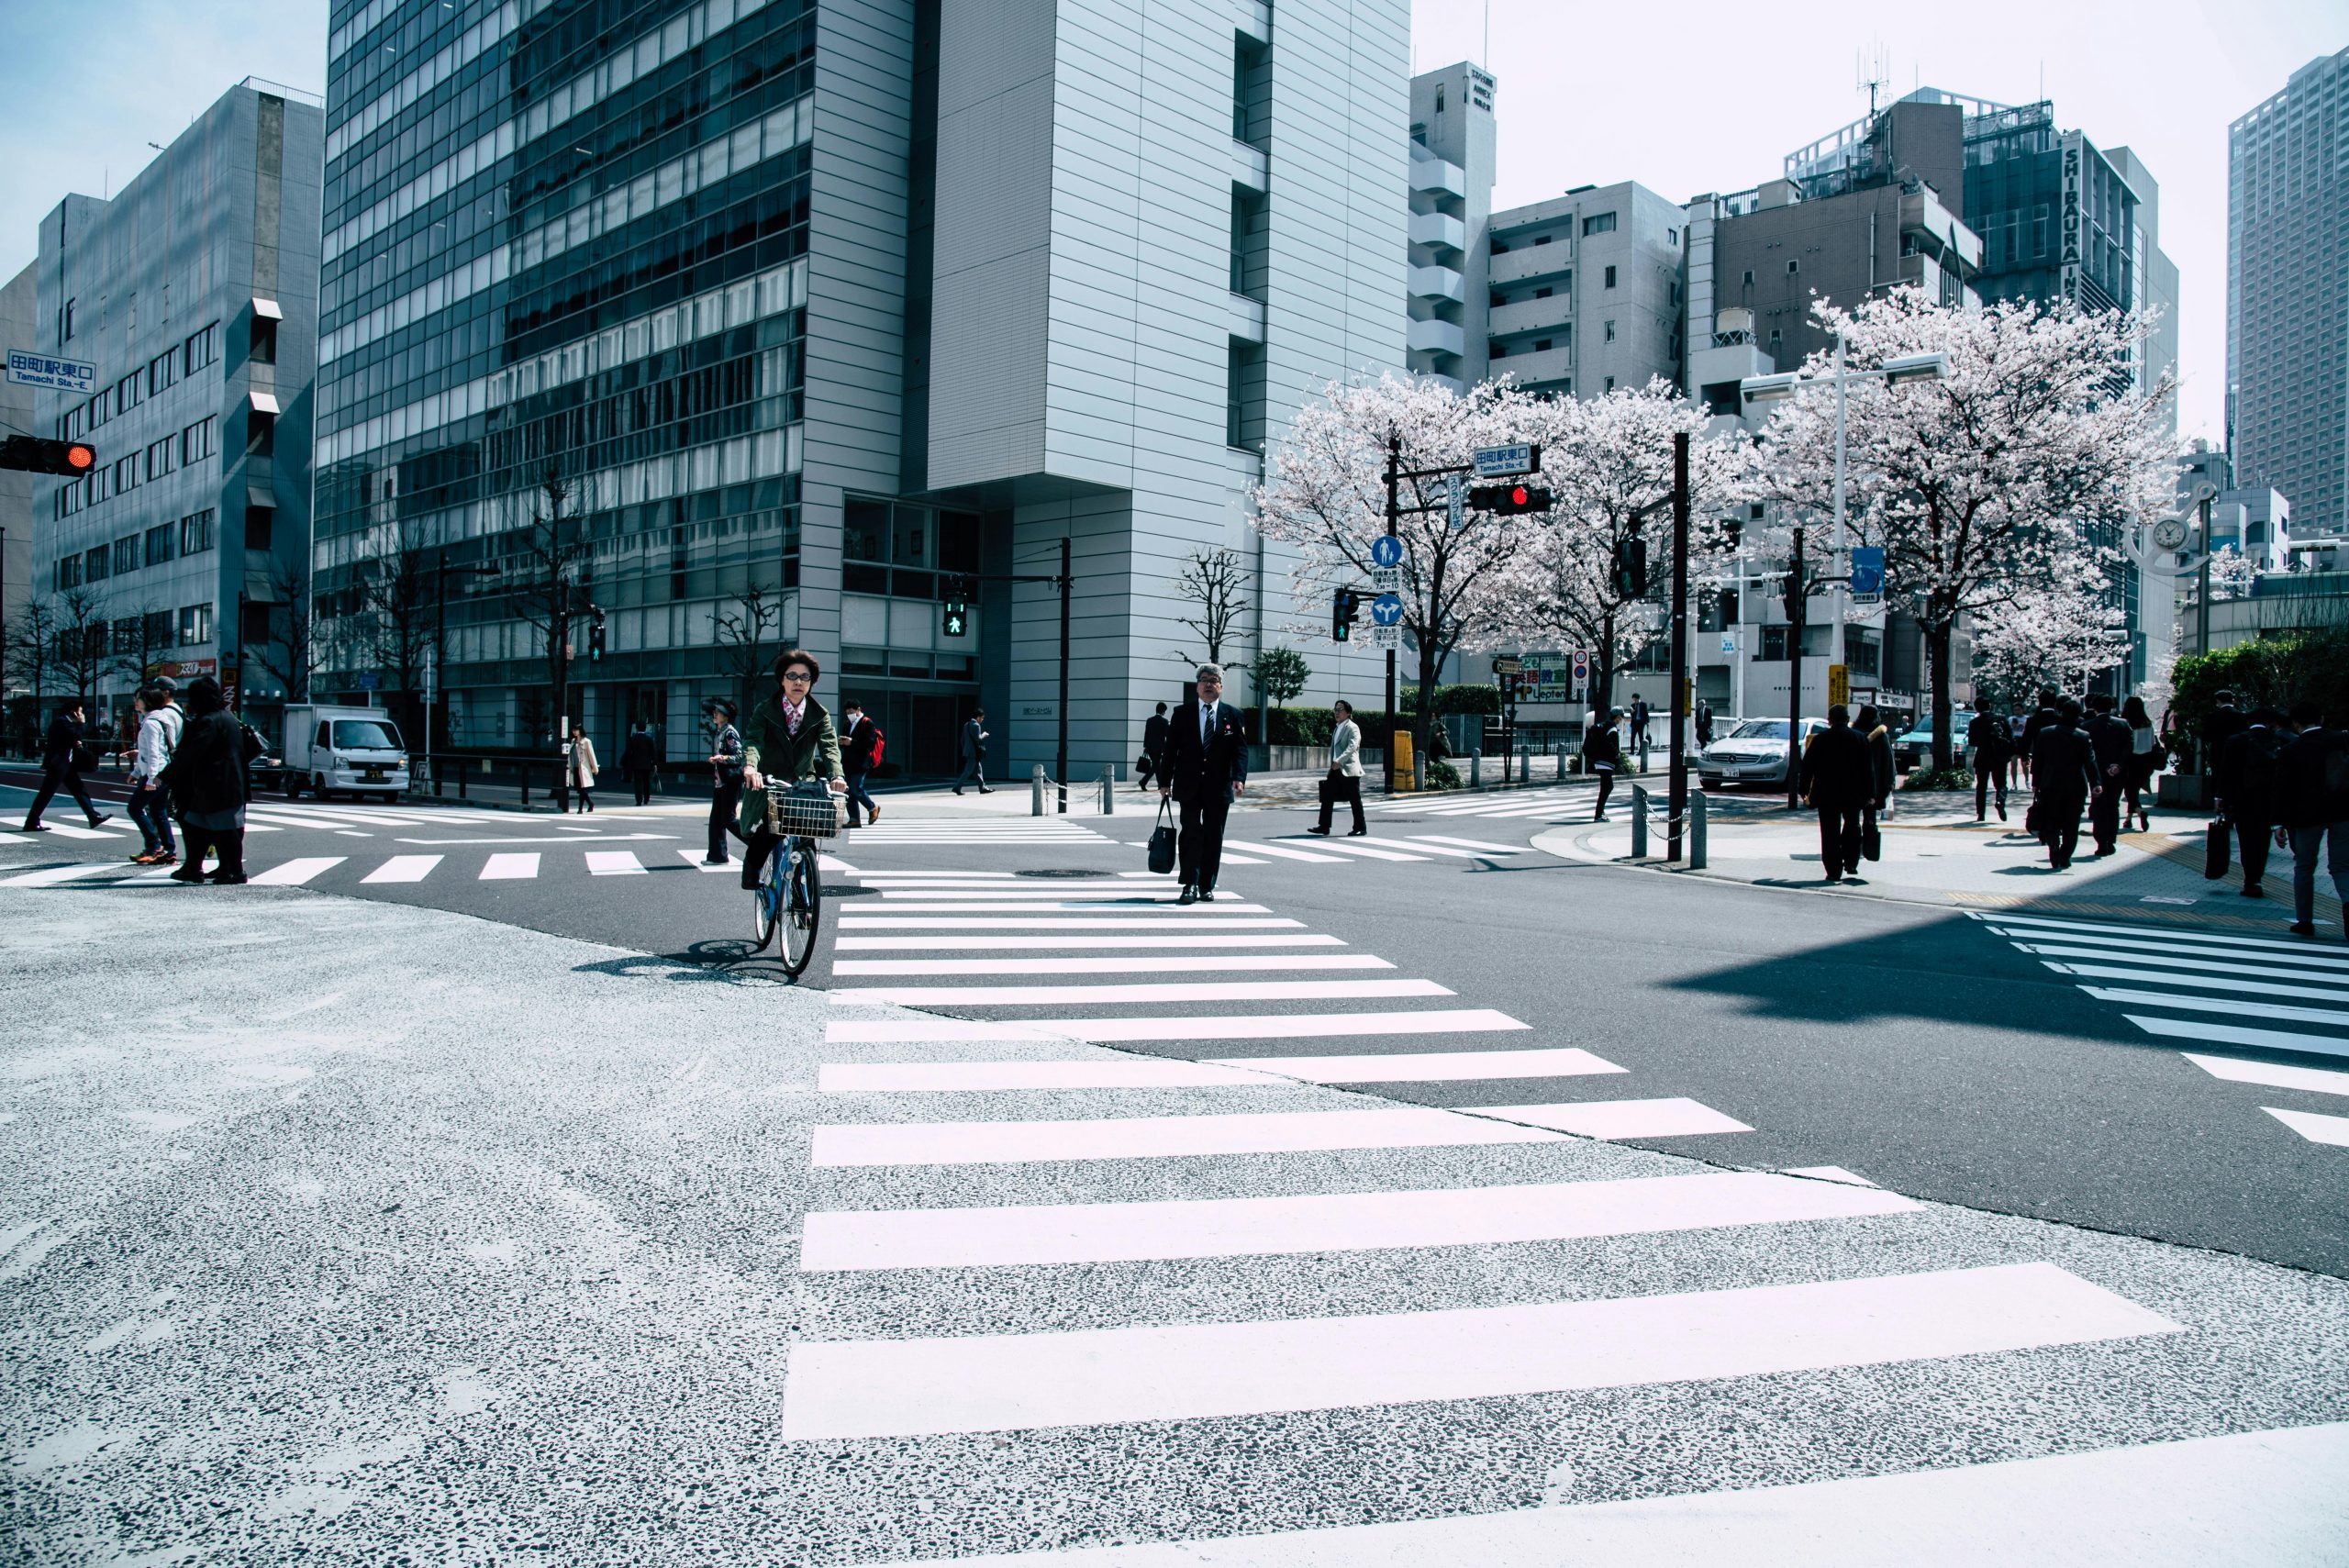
(967,1153)
(2187,984)
(1343,850)
(1552,801)
(512,865)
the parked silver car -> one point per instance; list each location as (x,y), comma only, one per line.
(1752,752)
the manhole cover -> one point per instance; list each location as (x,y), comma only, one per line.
(1056,872)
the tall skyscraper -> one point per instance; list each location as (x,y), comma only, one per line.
(1452,169)
(2287,294)
(193,292)
(840,301)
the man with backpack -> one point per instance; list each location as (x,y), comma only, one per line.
(2249,776)
(2312,808)
(861,748)
(159,737)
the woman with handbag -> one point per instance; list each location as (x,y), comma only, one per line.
(1345,780)
(579,766)
(2144,760)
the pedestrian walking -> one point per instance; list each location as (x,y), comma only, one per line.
(860,747)
(1704,722)
(2247,775)
(2063,777)
(1839,778)
(1154,743)
(975,752)
(1205,768)
(1344,779)
(2042,716)
(579,767)
(639,759)
(2177,742)
(2144,761)
(2115,751)
(1988,745)
(206,783)
(61,761)
(1883,768)
(789,738)
(725,775)
(1602,753)
(159,737)
(2221,725)
(2312,810)
(1640,722)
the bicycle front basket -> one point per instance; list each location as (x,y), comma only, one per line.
(808,814)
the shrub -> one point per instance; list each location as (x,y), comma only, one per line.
(1442,774)
(1938,778)
(1455,699)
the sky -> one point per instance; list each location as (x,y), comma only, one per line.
(1699,96)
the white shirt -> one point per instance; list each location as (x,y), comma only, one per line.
(159,737)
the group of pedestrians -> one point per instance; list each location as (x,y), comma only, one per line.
(2282,778)
(186,766)
(1848,776)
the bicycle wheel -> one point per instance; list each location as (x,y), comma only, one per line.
(766,900)
(803,907)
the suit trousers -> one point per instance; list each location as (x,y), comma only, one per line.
(1199,848)
(1349,790)
(1839,838)
(2332,840)
(725,802)
(2253,837)
(2059,826)
(2104,814)
(52,779)
(1985,776)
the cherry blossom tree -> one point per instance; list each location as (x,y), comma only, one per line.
(1325,494)
(1608,463)
(2231,573)
(2057,634)
(2015,471)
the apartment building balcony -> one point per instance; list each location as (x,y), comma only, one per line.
(1437,283)
(1247,319)
(1929,227)
(1532,263)
(1250,168)
(1535,368)
(1431,175)
(1253,20)
(1550,314)
(1439,230)
(1437,338)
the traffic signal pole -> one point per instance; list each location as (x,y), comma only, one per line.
(1797,595)
(1678,796)
(1394,515)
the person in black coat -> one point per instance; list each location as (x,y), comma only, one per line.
(2115,751)
(1205,768)
(639,758)
(2247,781)
(1881,763)
(2222,724)
(206,783)
(2045,714)
(61,768)
(1838,778)
(1602,753)
(2063,776)
(859,735)
(1991,744)
(2312,808)
(1153,742)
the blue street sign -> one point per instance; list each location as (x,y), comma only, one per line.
(368,681)
(1386,550)
(44,370)
(1504,462)
(1386,609)
(1867,570)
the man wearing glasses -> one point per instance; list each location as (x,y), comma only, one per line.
(1204,767)
(792,736)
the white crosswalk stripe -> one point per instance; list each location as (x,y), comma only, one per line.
(519,866)
(614,862)
(2189,985)
(295,873)
(404,868)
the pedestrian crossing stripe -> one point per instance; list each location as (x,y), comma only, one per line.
(2315,1127)
(1158,1072)
(1267,1026)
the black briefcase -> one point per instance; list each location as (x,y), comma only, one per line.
(1871,843)
(2216,848)
(1162,841)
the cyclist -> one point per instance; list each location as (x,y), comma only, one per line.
(792,735)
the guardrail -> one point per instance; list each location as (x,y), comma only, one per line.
(1641,807)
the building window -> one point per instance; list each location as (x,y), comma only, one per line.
(94,563)
(1672,237)
(1749,277)
(67,334)
(126,554)
(163,457)
(201,348)
(1610,384)
(261,524)
(1793,267)
(1541,345)
(260,434)
(264,344)
(1541,240)
(1541,294)
(195,532)
(1439,100)
(1610,332)
(864,537)
(1611,278)
(155,629)
(69,572)
(160,542)
(1598,223)
(196,625)
(1499,352)
(195,441)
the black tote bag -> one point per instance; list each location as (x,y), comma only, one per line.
(2216,848)
(1162,839)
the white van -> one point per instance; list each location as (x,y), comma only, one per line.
(354,748)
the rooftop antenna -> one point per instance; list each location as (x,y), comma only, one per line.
(1872,70)
(1487,58)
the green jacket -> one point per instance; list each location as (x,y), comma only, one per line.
(813,753)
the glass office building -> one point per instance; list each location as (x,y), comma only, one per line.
(806,306)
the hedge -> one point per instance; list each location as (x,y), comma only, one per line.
(1311,727)
(2274,672)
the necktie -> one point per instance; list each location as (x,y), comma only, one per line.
(1207,718)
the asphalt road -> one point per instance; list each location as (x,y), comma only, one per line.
(1917,1048)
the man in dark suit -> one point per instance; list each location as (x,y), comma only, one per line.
(2224,723)
(2063,776)
(61,768)
(2115,747)
(1153,742)
(858,734)
(1838,778)
(2249,781)
(1204,767)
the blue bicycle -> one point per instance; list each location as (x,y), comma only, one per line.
(790,896)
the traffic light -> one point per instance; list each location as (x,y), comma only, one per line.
(1630,575)
(1798,594)
(595,633)
(32,454)
(955,617)
(1507,500)
(1345,605)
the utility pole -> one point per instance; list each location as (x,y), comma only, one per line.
(1060,764)
(1678,796)
(1393,514)
(1797,597)
(2202,587)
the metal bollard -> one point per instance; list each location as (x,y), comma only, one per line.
(526,786)
(1561,751)
(1036,787)
(1639,822)
(1108,790)
(1697,830)
(1524,765)
(1476,770)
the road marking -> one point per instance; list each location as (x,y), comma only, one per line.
(1045,1234)
(2332,1130)
(2316,1080)
(1620,1118)
(700,863)
(995,944)
(1428,849)
(2324,991)
(509,868)
(56,875)
(1234,858)
(833,863)
(2044,923)
(1195,1371)
(2228,1034)
(1098,923)
(1431,1066)
(614,862)
(2235,1006)
(1342,847)
(2197,965)
(1177,964)
(66,830)
(1071,891)
(2270,1497)
(403,868)
(878,877)
(1828,1174)
(1155,1136)
(2122,951)
(1147,991)
(605,838)
(1266,1026)
(1163,908)
(1007,1077)
(1289,854)
(1468,843)
(295,873)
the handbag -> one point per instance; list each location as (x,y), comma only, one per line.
(1162,839)
(1871,842)
(2215,848)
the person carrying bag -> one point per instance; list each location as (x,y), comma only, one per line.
(1162,839)
(1344,779)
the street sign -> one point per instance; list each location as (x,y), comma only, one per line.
(368,681)
(1867,572)
(1386,550)
(1729,643)
(44,370)
(1455,501)
(1505,665)
(1582,673)
(1839,684)
(1387,610)
(1386,579)
(1386,639)
(1503,462)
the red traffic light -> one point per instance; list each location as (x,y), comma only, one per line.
(36,454)
(80,458)
(1519,495)
(1509,499)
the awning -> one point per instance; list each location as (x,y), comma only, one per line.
(267,309)
(257,498)
(264,402)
